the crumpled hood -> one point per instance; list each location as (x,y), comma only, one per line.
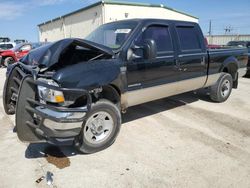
(48,55)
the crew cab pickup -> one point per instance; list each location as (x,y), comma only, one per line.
(74,90)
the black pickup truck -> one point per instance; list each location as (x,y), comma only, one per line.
(74,90)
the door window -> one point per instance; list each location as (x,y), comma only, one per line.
(161,36)
(188,38)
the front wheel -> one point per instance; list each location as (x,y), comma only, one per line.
(8,61)
(100,128)
(222,89)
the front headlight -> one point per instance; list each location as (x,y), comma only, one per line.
(50,95)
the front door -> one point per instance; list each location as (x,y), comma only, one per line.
(147,79)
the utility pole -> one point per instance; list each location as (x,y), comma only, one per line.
(210,32)
(210,28)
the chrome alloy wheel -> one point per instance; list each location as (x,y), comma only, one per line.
(225,88)
(98,127)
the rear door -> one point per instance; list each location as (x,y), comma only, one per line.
(192,56)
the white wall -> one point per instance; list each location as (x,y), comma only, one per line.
(224,39)
(81,24)
(51,31)
(117,12)
(77,25)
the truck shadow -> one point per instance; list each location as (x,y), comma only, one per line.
(58,155)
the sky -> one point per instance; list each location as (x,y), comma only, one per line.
(19,19)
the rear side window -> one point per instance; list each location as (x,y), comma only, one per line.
(161,36)
(189,38)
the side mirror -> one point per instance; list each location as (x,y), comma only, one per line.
(149,49)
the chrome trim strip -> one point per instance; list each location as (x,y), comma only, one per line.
(140,96)
(63,115)
(186,55)
(61,126)
(226,49)
(223,52)
(169,56)
(135,85)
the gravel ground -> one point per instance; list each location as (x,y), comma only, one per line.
(182,141)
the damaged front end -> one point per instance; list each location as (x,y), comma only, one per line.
(47,111)
(38,117)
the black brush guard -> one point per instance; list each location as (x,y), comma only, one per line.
(21,97)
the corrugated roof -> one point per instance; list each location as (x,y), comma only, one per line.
(145,5)
(113,2)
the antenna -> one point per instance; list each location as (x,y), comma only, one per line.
(228,29)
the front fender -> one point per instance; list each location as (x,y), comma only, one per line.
(88,75)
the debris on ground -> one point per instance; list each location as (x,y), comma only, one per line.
(49,178)
(56,157)
(40,179)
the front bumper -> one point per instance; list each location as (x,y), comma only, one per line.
(37,121)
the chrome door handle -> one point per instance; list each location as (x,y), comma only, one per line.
(203,60)
(178,66)
(177,62)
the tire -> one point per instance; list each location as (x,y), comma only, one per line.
(100,128)
(222,89)
(8,61)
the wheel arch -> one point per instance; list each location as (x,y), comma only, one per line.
(111,93)
(230,66)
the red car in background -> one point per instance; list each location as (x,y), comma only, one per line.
(13,55)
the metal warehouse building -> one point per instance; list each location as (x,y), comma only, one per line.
(224,39)
(81,22)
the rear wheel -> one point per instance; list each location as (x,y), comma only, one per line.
(100,128)
(8,61)
(222,89)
